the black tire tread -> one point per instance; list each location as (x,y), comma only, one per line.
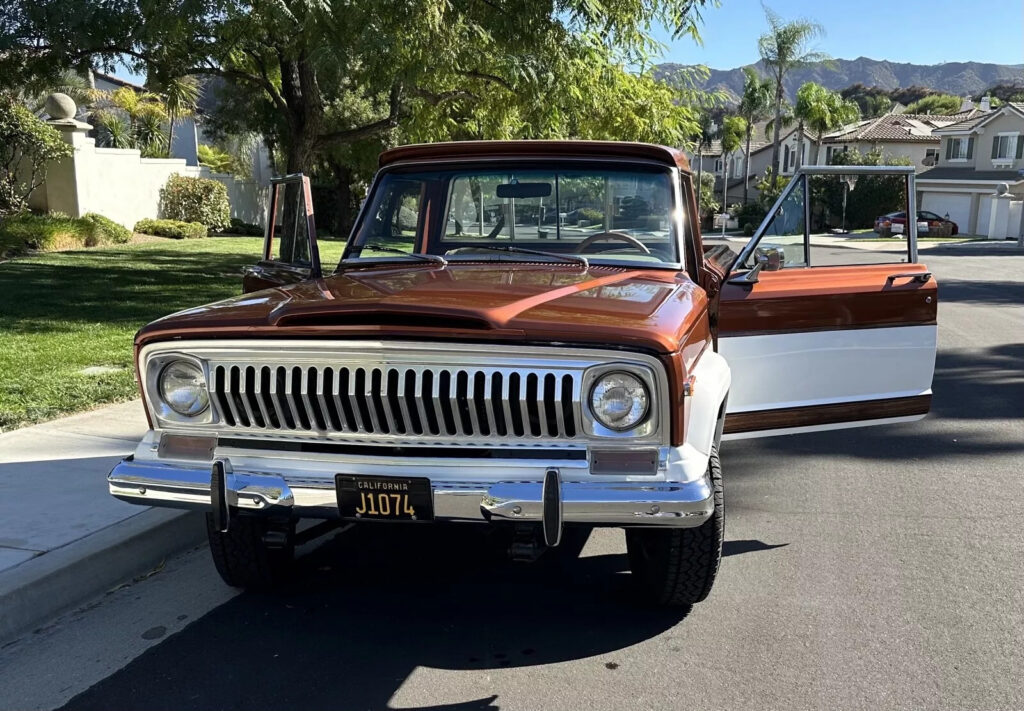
(241,557)
(680,564)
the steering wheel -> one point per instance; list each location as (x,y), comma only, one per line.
(621,236)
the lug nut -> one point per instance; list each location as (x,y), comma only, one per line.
(517,510)
(655,509)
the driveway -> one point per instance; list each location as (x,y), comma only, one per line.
(864,569)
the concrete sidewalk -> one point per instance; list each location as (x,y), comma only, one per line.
(63,538)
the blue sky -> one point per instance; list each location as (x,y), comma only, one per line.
(915,31)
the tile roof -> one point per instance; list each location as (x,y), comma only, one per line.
(901,128)
(967,174)
(762,139)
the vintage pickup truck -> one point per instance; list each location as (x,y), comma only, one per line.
(526,335)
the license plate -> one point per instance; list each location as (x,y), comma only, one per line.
(384,498)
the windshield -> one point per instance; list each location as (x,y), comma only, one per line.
(606,216)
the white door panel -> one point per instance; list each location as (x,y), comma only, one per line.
(824,367)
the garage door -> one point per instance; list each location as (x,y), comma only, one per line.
(957,205)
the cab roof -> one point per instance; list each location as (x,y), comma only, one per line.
(535,149)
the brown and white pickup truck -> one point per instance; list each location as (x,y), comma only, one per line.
(528,335)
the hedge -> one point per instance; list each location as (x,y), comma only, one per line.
(111,231)
(199,200)
(175,229)
(247,229)
(55,231)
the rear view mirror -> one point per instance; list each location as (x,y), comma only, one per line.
(771,259)
(524,190)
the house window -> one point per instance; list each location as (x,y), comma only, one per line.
(960,148)
(1004,147)
(737,167)
(786,155)
(718,165)
(931,156)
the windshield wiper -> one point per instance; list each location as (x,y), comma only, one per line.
(523,250)
(433,258)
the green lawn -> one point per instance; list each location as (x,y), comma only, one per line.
(64,312)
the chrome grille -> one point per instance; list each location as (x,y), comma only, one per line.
(410,401)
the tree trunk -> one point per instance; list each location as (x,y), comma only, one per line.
(775,134)
(746,164)
(170,137)
(346,214)
(817,147)
(725,182)
(700,172)
(797,161)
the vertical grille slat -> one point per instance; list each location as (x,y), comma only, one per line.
(389,399)
(419,388)
(230,390)
(258,392)
(557,404)
(399,400)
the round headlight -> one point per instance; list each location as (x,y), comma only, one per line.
(183,388)
(619,401)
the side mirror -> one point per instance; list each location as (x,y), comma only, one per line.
(771,259)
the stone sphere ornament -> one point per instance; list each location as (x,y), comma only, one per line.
(60,106)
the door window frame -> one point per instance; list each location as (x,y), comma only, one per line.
(801,178)
(277,186)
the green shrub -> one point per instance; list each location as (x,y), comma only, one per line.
(243,228)
(215,159)
(201,200)
(47,233)
(751,212)
(27,145)
(748,229)
(175,229)
(111,232)
(595,217)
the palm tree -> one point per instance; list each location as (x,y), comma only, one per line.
(785,48)
(755,105)
(733,130)
(821,111)
(705,135)
(181,94)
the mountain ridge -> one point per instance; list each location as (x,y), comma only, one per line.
(960,78)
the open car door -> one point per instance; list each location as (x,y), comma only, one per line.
(824,328)
(290,251)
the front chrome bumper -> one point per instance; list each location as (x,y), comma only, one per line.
(306,489)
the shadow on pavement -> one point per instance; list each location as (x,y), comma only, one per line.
(368,607)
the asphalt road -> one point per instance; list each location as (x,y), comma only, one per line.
(864,569)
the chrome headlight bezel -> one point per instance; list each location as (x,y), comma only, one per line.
(155,367)
(646,426)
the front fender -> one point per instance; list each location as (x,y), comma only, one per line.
(711,381)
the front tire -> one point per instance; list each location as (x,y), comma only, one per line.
(676,567)
(244,559)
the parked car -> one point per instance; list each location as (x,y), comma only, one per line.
(539,386)
(936,223)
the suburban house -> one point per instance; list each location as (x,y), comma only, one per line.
(910,136)
(760,160)
(976,155)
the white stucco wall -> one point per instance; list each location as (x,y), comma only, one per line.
(124,186)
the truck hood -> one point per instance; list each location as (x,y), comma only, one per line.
(651,309)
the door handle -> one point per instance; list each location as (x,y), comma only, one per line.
(921,277)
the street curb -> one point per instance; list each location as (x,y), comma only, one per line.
(43,587)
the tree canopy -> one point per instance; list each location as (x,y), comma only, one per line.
(943,104)
(333,72)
